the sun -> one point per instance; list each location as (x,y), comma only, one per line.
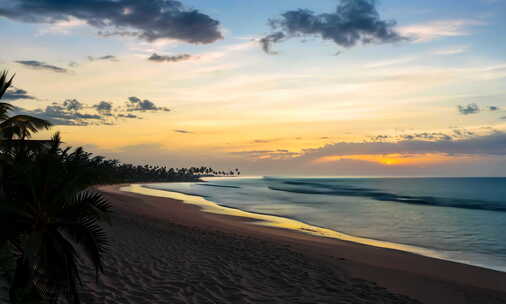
(388,162)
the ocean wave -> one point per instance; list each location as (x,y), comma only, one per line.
(219,186)
(322,188)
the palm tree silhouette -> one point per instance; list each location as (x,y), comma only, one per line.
(48,221)
(18,126)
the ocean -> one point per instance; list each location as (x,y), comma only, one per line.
(457,219)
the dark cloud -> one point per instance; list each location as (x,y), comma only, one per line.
(268,40)
(493,108)
(491,144)
(106,57)
(129,115)
(353,22)
(380,137)
(462,133)
(73,105)
(471,108)
(169,58)
(72,112)
(433,136)
(38,65)
(136,104)
(183,131)
(147,20)
(103,107)
(58,114)
(14,93)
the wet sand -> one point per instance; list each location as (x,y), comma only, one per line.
(166,251)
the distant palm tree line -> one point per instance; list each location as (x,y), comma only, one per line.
(112,171)
(49,218)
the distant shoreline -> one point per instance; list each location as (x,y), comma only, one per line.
(426,279)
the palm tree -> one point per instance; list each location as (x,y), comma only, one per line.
(48,222)
(18,126)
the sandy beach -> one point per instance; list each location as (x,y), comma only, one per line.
(166,251)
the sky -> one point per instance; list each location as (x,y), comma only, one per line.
(287,87)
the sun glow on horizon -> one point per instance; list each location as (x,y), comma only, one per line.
(396,159)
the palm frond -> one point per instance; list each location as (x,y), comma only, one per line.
(4,108)
(91,238)
(5,82)
(80,219)
(23,126)
(58,273)
(87,204)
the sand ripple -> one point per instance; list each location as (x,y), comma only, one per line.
(165,263)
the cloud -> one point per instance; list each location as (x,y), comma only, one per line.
(38,65)
(183,131)
(169,58)
(148,20)
(451,51)
(14,93)
(427,136)
(490,144)
(106,57)
(278,154)
(129,115)
(103,107)
(438,29)
(136,104)
(462,133)
(72,105)
(59,114)
(471,108)
(268,40)
(72,112)
(353,22)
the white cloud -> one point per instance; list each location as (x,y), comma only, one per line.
(438,29)
(451,50)
(389,62)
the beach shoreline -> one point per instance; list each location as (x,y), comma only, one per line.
(422,278)
(277,221)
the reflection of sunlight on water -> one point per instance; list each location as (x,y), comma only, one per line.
(274,221)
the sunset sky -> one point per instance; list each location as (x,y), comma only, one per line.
(352,87)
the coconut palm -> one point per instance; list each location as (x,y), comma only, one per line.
(48,221)
(18,126)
